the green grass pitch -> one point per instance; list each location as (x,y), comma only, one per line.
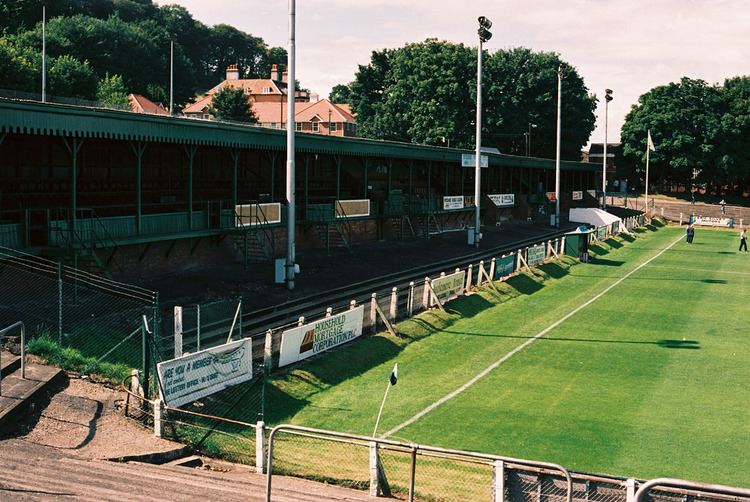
(650,379)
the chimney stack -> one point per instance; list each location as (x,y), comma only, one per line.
(233,73)
(285,76)
(275,74)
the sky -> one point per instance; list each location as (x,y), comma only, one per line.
(628,46)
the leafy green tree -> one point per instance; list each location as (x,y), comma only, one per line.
(520,88)
(68,77)
(340,94)
(426,92)
(18,68)
(684,119)
(231,103)
(734,138)
(111,90)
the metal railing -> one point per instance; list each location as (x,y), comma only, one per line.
(4,332)
(702,489)
(414,451)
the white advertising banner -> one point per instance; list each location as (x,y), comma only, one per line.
(203,373)
(449,286)
(453,202)
(470,160)
(710,221)
(578,195)
(503,199)
(309,339)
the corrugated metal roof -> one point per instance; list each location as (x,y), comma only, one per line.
(29,117)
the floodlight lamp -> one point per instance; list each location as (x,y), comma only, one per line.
(485,23)
(484,34)
(608,95)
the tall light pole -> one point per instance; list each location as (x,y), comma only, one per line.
(484,35)
(528,139)
(290,194)
(44,53)
(557,156)
(171,75)
(607,99)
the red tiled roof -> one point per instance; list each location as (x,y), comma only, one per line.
(250,86)
(199,106)
(142,104)
(323,109)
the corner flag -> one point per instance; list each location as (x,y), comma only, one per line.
(392,379)
(394,375)
(650,142)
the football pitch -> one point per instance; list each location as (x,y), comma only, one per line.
(634,365)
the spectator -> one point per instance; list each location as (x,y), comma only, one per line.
(743,240)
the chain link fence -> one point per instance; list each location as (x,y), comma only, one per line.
(76,318)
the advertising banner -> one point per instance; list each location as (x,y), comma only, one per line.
(578,195)
(450,286)
(536,254)
(505,266)
(503,199)
(309,339)
(453,202)
(470,160)
(713,222)
(601,233)
(551,196)
(203,373)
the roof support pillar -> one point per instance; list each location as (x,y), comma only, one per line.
(273,175)
(74,146)
(139,148)
(190,152)
(366,167)
(429,183)
(337,159)
(307,184)
(235,154)
(411,178)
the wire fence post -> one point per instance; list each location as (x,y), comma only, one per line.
(198,324)
(410,300)
(260,446)
(426,294)
(59,303)
(374,312)
(498,481)
(145,358)
(394,304)
(239,328)
(373,469)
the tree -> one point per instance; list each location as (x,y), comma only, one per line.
(426,93)
(734,138)
(340,94)
(18,68)
(232,104)
(521,89)
(112,91)
(683,118)
(68,77)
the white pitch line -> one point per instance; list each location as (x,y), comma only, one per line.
(528,342)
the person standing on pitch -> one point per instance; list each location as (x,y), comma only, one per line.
(689,233)
(743,240)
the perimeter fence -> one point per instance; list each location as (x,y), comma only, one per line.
(101,319)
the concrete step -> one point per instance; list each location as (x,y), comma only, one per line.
(17,393)
(10,364)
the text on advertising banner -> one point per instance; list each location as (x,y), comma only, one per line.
(453,202)
(203,373)
(449,286)
(503,199)
(536,254)
(505,266)
(309,339)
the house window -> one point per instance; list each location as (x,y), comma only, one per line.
(332,126)
(316,126)
(273,125)
(205,116)
(266,90)
(298,126)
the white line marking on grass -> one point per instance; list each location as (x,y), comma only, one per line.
(528,342)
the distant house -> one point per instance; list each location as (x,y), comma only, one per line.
(596,154)
(141,104)
(268,98)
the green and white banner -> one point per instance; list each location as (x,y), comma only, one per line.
(203,373)
(449,286)
(601,233)
(309,339)
(505,266)
(536,254)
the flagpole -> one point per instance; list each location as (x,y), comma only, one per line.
(648,151)
(382,405)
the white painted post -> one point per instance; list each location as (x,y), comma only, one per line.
(260,446)
(352,304)
(426,294)
(410,301)
(518,259)
(680,218)
(469,273)
(198,326)
(481,273)
(562,245)
(177,331)
(630,490)
(394,304)
(373,469)
(268,350)
(301,321)
(135,383)
(158,417)
(374,312)
(498,481)
(662,211)
(492,270)
(329,312)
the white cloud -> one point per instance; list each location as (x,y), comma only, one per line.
(626,45)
